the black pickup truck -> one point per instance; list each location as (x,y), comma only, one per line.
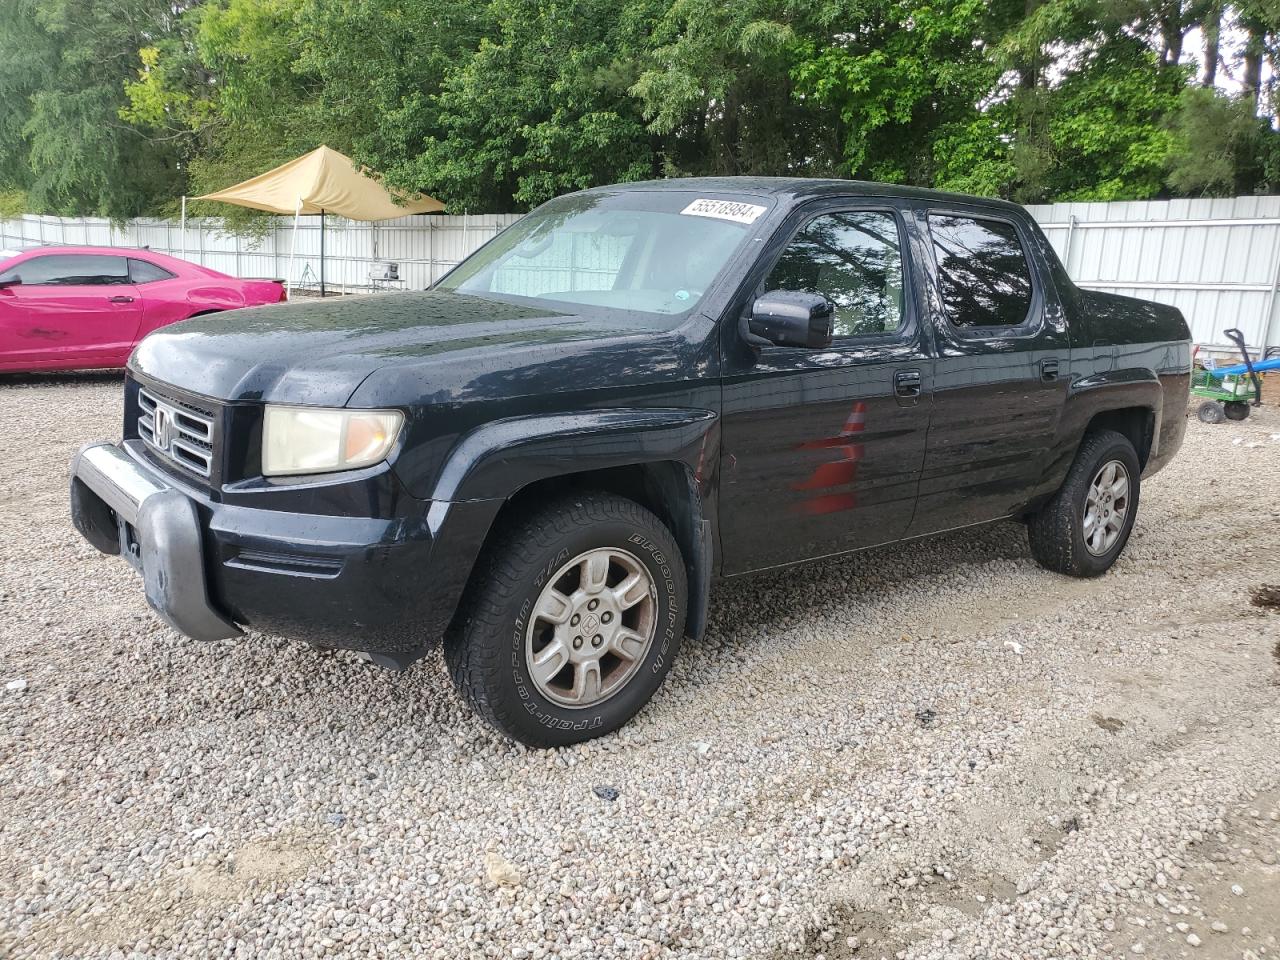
(548,458)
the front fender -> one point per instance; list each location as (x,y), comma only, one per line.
(497,460)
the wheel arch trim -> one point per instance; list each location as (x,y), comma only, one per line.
(1112,392)
(677,449)
(496,460)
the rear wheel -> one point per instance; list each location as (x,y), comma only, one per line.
(573,621)
(1086,525)
(1236,410)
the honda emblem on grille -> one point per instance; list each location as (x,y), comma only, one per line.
(162,426)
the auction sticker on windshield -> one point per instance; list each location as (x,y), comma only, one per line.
(724,210)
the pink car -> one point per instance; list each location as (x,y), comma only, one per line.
(74,308)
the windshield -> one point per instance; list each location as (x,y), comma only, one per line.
(654,252)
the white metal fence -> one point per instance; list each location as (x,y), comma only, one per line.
(1216,260)
(425,247)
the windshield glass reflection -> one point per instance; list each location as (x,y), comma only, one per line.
(637,251)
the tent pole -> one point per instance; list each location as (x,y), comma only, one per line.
(322,252)
(293,248)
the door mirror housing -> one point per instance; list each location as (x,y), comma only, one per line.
(8,282)
(792,318)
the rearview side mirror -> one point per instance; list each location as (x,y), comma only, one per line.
(10,282)
(792,318)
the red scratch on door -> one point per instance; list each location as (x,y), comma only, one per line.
(838,472)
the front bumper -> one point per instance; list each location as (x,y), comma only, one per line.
(120,508)
(384,586)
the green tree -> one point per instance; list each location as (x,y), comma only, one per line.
(1219,146)
(249,84)
(63,65)
(377,67)
(540,108)
(1104,127)
(907,81)
(227,89)
(500,105)
(719,89)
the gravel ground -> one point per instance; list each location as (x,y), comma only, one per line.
(933,751)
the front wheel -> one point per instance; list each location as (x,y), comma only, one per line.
(1210,412)
(573,621)
(1084,528)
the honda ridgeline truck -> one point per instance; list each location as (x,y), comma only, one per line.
(547,459)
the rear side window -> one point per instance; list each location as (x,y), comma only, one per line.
(140,271)
(982,271)
(66,270)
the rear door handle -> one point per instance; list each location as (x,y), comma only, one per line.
(120,299)
(1048,370)
(906,383)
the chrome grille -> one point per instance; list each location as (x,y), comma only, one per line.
(179,431)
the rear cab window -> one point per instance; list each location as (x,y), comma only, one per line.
(984,274)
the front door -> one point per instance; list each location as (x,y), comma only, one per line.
(1003,366)
(822,449)
(69,310)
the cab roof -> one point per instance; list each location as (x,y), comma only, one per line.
(791,190)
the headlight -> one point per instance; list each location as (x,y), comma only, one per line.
(311,440)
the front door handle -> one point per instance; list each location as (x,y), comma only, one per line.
(906,383)
(120,299)
(1048,370)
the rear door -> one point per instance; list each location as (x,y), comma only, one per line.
(69,310)
(822,449)
(1002,368)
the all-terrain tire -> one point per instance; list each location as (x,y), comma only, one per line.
(486,651)
(1057,531)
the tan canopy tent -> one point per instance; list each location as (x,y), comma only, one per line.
(322,181)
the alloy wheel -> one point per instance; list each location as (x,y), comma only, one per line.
(591,628)
(1106,507)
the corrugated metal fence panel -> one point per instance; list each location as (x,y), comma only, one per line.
(1216,260)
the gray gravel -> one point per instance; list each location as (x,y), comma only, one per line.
(934,751)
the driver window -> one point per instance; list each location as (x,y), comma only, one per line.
(855,261)
(73,270)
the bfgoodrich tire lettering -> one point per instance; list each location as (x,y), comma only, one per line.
(487,655)
(1058,531)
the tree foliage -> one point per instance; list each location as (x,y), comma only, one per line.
(118,109)
(63,64)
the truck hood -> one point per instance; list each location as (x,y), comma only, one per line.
(319,353)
